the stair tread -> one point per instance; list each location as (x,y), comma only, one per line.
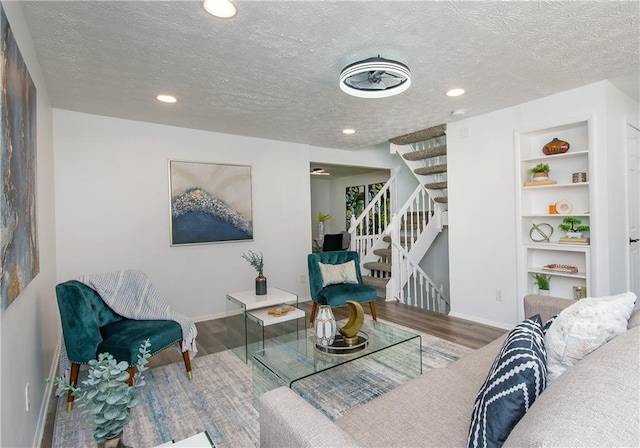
(375,282)
(435,169)
(378,266)
(382,252)
(436,185)
(442,200)
(426,153)
(420,136)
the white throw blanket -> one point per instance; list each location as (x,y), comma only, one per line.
(130,294)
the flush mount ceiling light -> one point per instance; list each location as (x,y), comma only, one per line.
(220,8)
(375,78)
(319,172)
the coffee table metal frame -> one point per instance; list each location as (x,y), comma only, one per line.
(296,359)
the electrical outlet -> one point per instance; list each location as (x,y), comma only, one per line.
(499,295)
(27,401)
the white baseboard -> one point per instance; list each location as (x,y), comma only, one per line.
(491,323)
(42,415)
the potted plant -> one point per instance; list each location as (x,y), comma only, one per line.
(257,262)
(106,395)
(573,227)
(542,282)
(540,172)
(322,218)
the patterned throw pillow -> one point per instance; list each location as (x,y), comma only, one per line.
(518,376)
(335,274)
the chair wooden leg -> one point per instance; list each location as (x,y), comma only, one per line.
(314,309)
(73,380)
(187,364)
(372,305)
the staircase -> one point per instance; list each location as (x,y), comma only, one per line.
(392,257)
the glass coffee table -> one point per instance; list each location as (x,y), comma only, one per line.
(292,359)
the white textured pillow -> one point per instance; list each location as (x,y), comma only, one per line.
(334,274)
(583,327)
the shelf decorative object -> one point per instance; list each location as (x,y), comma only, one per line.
(555,146)
(540,172)
(573,227)
(257,262)
(560,268)
(542,282)
(540,233)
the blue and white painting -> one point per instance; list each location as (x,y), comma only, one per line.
(18,235)
(210,202)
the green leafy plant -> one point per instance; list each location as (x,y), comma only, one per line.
(323,218)
(542,281)
(255,260)
(570,224)
(106,397)
(540,168)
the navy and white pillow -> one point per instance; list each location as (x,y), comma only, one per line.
(518,376)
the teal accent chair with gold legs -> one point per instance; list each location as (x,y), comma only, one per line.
(90,327)
(337,294)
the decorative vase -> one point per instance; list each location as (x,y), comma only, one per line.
(544,292)
(574,235)
(555,146)
(321,230)
(261,285)
(325,326)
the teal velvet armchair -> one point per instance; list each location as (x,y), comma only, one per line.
(90,327)
(336,295)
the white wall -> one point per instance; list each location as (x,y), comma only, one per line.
(30,325)
(112,207)
(482,201)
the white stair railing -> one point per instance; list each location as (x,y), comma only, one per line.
(413,286)
(367,228)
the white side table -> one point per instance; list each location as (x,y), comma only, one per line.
(247,317)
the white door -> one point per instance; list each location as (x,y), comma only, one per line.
(633,158)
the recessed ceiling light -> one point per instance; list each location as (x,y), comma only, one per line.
(166,98)
(455,92)
(220,8)
(457,112)
(348,131)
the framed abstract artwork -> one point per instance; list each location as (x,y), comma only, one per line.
(18,229)
(210,202)
(354,198)
(380,215)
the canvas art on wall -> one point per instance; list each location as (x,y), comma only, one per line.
(210,202)
(380,215)
(355,202)
(18,232)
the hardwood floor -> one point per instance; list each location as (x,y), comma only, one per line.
(211,337)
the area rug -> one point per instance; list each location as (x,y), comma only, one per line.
(219,398)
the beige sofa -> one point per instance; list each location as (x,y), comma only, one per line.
(595,403)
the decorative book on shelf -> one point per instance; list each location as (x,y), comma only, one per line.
(579,241)
(561,268)
(540,183)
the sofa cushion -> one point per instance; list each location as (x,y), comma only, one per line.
(583,327)
(516,379)
(334,274)
(431,410)
(595,403)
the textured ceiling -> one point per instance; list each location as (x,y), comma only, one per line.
(272,71)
